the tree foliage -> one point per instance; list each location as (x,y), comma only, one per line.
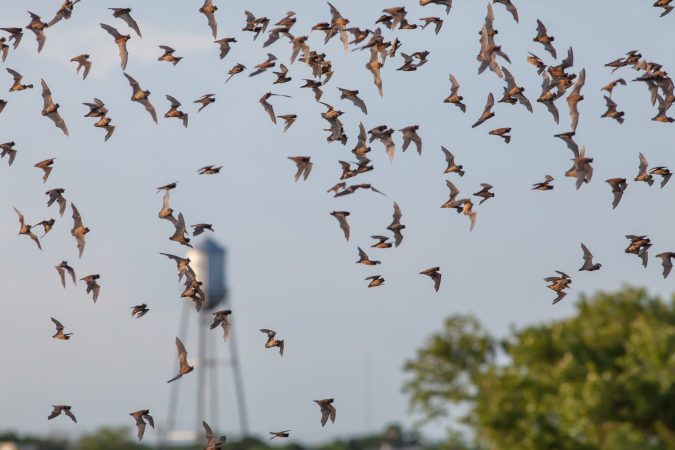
(602,379)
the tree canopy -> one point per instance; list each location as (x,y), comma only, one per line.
(601,379)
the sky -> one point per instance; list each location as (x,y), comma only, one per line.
(289,266)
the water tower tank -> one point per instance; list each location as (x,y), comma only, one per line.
(207,259)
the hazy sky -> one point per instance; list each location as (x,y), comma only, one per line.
(290,268)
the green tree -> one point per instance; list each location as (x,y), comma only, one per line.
(106,438)
(602,379)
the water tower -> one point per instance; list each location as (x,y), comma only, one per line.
(208,260)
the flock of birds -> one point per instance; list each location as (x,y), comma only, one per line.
(558,80)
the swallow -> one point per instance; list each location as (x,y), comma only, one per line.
(338,24)
(208,9)
(558,285)
(8,149)
(200,227)
(46,225)
(59,331)
(662,115)
(267,106)
(299,44)
(237,68)
(46,167)
(436,21)
(374,66)
(211,442)
(664,172)
(452,166)
(610,87)
(56,195)
(221,318)
(92,285)
(346,190)
(363,259)
(224,45)
(454,98)
(64,12)
(544,185)
(315,86)
(381,242)
(288,119)
(180,231)
(502,133)
(25,229)
(280,434)
(168,187)
(62,268)
(50,109)
(487,111)
(166,212)
(582,169)
(303,165)
(58,409)
(255,24)
(141,96)
(341,217)
(446,3)
(125,15)
(568,139)
(79,230)
(121,41)
(15,35)
(139,311)
(281,75)
(174,112)
(484,193)
(82,61)
(639,245)
(183,266)
(205,101)
(272,342)
(140,417)
(168,55)
(575,97)
(588,261)
(328,411)
(513,92)
(353,96)
(454,192)
(37,26)
(4,48)
(184,367)
(263,66)
(96,109)
(612,112)
(383,134)
(509,7)
(17,86)
(544,39)
(666,261)
(104,122)
(536,62)
(410,135)
(643,174)
(547,96)
(209,170)
(435,275)
(465,206)
(194,292)
(665,4)
(618,187)
(395,226)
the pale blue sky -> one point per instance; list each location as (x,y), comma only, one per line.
(290,267)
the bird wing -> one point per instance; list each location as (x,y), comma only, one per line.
(59,325)
(113,32)
(132,23)
(149,108)
(174,103)
(182,354)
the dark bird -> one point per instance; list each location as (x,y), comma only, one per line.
(140,417)
(454,97)
(50,109)
(618,185)
(263,66)
(665,4)
(125,15)
(381,242)
(487,111)
(395,226)
(64,12)
(588,261)
(139,311)
(452,166)
(643,174)
(375,281)
(484,193)
(92,285)
(536,62)
(8,149)
(209,170)
(174,112)
(374,66)
(141,96)
(211,442)
(509,7)
(288,119)
(544,39)
(208,9)
(59,331)
(612,112)
(558,285)
(25,229)
(502,133)
(281,75)
(639,245)
(341,217)
(280,434)
(272,342)
(56,195)
(46,167)
(575,97)
(353,96)
(17,86)
(410,135)
(180,232)
(237,68)
(327,410)
(664,172)
(267,106)
(544,185)
(437,21)
(15,34)
(184,367)
(610,87)
(363,259)
(666,261)
(65,409)
(82,61)
(315,87)
(168,55)
(514,93)
(62,268)
(47,225)
(435,275)
(37,26)
(183,266)
(200,228)
(221,318)
(121,41)
(304,166)
(205,101)
(79,230)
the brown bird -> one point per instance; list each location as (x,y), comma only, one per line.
(224,45)
(50,109)
(454,97)
(374,66)
(92,285)
(139,311)
(328,411)
(381,242)
(395,226)
(141,96)
(125,15)
(558,285)
(140,417)
(487,111)
(272,342)
(25,229)
(3,103)
(17,86)
(46,167)
(168,187)
(205,101)
(82,61)
(437,21)
(15,34)
(484,193)
(375,281)
(58,409)
(513,92)
(168,55)
(435,275)
(267,106)
(64,12)
(452,166)
(184,367)
(222,318)
(353,96)
(281,75)
(665,4)
(59,331)
(383,134)
(544,39)
(466,208)
(8,149)
(166,212)
(582,169)
(208,9)
(588,261)
(454,192)
(288,119)
(536,62)
(666,261)
(79,230)
(363,259)
(639,245)
(279,434)
(341,217)
(200,228)
(346,190)
(664,172)
(121,41)
(618,185)
(544,185)
(62,268)
(502,133)
(183,266)
(174,112)
(509,7)
(303,165)
(237,68)
(56,195)
(610,87)
(575,97)
(179,234)
(263,66)
(612,112)
(37,26)
(315,87)
(47,225)
(211,442)
(410,135)
(209,170)
(643,174)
